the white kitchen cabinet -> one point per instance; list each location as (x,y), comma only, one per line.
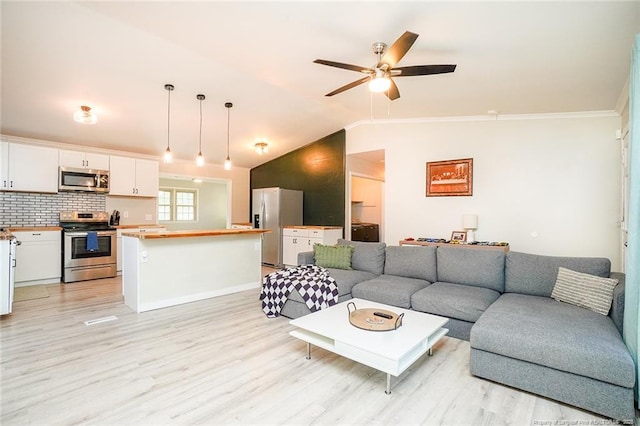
(300,239)
(28,168)
(83,160)
(133,177)
(38,257)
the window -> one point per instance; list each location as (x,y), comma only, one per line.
(179,205)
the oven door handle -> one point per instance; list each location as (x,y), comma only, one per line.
(84,234)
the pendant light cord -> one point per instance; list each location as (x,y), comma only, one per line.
(169,117)
(228,121)
(200,143)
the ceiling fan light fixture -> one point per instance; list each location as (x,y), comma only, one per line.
(380,84)
(85,116)
(262,147)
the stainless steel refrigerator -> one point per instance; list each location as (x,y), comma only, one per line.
(273,208)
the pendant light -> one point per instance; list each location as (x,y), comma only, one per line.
(200,157)
(227,162)
(168,157)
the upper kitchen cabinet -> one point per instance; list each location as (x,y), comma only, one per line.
(134,177)
(83,160)
(28,168)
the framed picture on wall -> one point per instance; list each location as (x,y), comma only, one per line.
(450,178)
(459,236)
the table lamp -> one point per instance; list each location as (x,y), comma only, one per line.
(470,224)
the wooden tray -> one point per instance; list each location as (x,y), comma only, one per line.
(367,319)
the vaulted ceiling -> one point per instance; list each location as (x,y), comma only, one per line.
(512,57)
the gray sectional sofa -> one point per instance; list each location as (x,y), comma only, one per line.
(501,304)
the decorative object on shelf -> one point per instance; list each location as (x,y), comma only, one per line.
(262,147)
(200,157)
(450,178)
(85,116)
(458,237)
(373,319)
(227,162)
(168,157)
(470,224)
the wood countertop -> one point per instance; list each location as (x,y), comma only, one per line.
(148,225)
(194,233)
(7,233)
(311,227)
(34,228)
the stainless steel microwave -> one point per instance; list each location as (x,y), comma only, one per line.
(73,179)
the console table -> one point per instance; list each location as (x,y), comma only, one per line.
(473,246)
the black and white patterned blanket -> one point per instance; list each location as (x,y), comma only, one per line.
(316,287)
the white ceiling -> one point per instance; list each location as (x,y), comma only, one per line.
(512,57)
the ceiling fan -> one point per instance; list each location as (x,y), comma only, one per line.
(380,75)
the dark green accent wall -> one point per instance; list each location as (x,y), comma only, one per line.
(318,169)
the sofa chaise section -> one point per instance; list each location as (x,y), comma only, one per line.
(530,341)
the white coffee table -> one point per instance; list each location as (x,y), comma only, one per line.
(391,352)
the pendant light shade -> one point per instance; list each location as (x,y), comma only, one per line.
(168,157)
(85,116)
(200,157)
(227,162)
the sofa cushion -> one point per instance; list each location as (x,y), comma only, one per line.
(389,289)
(338,257)
(456,301)
(471,266)
(544,331)
(536,275)
(411,262)
(366,256)
(587,291)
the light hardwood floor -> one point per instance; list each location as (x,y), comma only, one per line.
(222,361)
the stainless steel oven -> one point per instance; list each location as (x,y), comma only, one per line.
(88,246)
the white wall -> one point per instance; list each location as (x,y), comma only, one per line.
(239,177)
(212,204)
(554,176)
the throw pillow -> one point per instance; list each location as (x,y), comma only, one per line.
(338,257)
(585,290)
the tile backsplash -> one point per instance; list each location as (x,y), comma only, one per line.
(35,209)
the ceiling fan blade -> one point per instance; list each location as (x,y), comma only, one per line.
(350,67)
(349,86)
(393,93)
(423,70)
(399,48)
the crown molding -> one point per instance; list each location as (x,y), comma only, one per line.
(492,117)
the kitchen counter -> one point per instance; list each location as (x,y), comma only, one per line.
(167,268)
(321,227)
(144,225)
(7,233)
(193,233)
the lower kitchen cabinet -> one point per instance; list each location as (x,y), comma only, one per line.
(298,239)
(38,257)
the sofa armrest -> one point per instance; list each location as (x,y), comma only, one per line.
(617,305)
(306,258)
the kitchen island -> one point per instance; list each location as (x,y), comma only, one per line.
(168,268)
